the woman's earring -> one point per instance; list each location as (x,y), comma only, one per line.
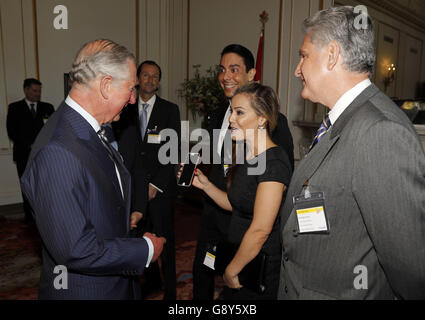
(261,127)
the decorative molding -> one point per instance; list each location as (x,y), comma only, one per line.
(188,50)
(10,197)
(137,31)
(279,47)
(23,40)
(398,11)
(288,87)
(3,63)
(37,60)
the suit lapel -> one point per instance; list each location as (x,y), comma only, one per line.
(155,118)
(316,156)
(91,141)
(352,109)
(27,112)
(312,162)
(134,114)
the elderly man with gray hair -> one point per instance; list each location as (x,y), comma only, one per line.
(79,187)
(353,224)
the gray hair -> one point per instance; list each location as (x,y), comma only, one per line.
(341,24)
(100,58)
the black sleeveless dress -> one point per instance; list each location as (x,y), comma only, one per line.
(241,195)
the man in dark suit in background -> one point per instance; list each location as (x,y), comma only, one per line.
(139,139)
(25,119)
(237,69)
(79,189)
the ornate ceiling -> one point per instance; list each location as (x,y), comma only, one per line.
(411,11)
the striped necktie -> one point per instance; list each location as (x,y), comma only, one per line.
(113,154)
(144,120)
(324,127)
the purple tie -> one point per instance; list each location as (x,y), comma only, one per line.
(324,127)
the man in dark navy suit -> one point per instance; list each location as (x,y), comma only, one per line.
(237,68)
(154,183)
(25,118)
(79,188)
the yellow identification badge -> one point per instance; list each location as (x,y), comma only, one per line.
(226,169)
(154,138)
(209,260)
(311,213)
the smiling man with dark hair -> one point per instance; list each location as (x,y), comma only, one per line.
(237,69)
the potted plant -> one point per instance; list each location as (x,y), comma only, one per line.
(203,93)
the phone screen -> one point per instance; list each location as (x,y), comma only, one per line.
(188,170)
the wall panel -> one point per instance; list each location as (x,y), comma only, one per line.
(87,20)
(215,24)
(411,72)
(387,54)
(177,34)
(13,70)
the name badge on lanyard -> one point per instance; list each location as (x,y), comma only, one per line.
(210,255)
(154,136)
(311,212)
(226,168)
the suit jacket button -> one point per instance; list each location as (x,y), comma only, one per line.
(142,153)
(286,258)
(295,233)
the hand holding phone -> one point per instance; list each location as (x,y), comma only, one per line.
(186,173)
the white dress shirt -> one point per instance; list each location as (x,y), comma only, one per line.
(29,104)
(346,99)
(151,103)
(223,129)
(96,127)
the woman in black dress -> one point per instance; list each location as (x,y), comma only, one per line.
(255,190)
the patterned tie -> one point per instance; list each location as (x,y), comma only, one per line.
(109,133)
(324,127)
(143,120)
(113,154)
(32,109)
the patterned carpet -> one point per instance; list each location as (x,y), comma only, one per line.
(20,255)
(20,259)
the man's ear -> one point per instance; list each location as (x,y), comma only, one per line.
(106,87)
(251,74)
(333,54)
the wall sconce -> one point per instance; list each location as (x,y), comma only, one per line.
(390,76)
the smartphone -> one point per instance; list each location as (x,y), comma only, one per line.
(188,170)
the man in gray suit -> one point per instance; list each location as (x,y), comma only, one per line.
(353,224)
